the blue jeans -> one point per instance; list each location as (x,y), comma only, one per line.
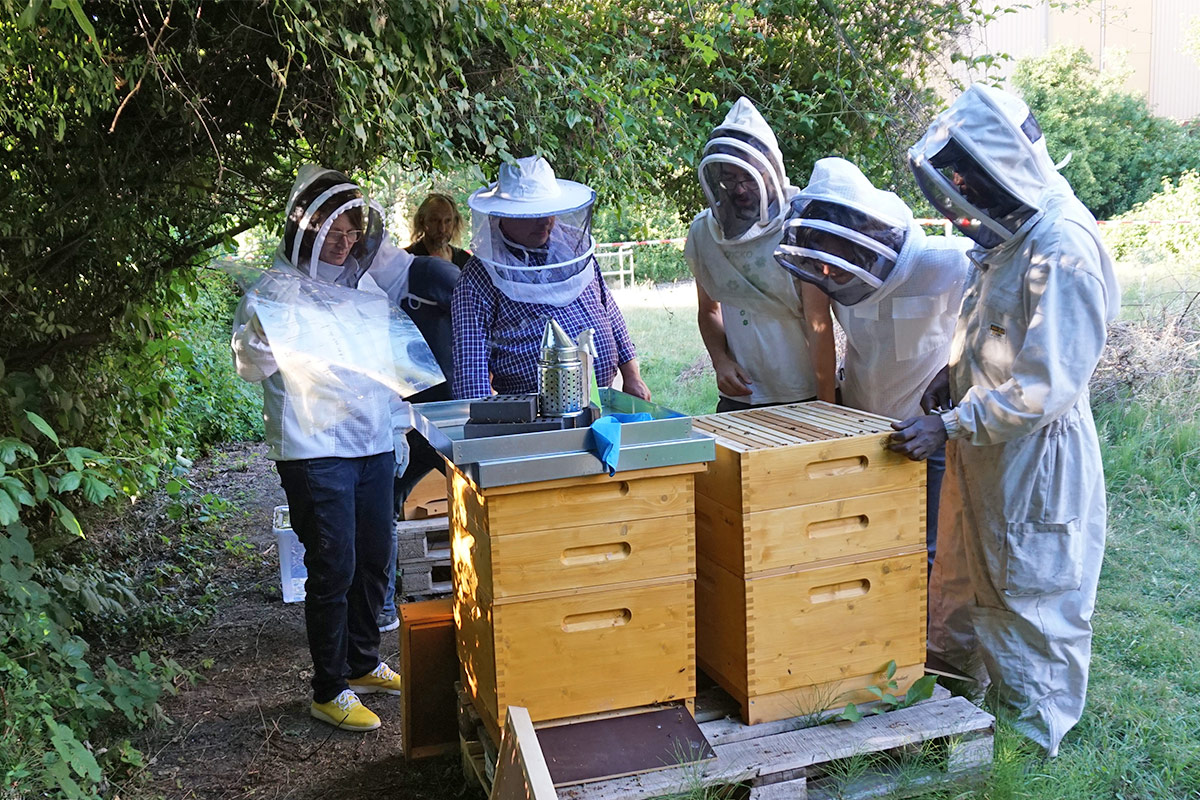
(341,510)
(935,470)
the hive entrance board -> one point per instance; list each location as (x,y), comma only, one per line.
(428,498)
(619,746)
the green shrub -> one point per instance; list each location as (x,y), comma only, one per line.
(1120,152)
(1177,201)
(213,404)
(89,432)
(650,221)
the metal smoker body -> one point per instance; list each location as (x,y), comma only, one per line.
(564,373)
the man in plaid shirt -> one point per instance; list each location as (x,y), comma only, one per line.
(533,261)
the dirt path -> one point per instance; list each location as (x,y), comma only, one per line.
(243,731)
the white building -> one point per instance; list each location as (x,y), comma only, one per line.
(1149,37)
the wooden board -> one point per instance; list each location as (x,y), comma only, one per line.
(797,642)
(428,672)
(799,535)
(615,501)
(622,745)
(476,647)
(964,730)
(584,556)
(426,496)
(521,772)
(812,699)
(725,728)
(799,454)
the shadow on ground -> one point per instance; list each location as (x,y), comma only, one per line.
(243,730)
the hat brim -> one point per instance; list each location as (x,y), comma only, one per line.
(572,196)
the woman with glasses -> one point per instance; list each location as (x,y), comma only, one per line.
(329,420)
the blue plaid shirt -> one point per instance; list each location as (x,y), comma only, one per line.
(497,335)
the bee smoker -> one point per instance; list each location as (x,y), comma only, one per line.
(562,379)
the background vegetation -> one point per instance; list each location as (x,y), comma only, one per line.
(1119,151)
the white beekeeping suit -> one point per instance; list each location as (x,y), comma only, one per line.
(326,341)
(1023,511)
(895,291)
(730,249)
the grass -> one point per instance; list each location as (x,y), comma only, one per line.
(674,363)
(1140,734)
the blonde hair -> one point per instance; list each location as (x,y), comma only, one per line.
(427,205)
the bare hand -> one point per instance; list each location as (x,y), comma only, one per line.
(732,380)
(918,437)
(636,387)
(937,393)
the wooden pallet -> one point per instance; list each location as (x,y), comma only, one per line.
(940,742)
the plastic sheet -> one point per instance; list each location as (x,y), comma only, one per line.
(340,351)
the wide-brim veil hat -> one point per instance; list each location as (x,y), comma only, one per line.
(529,188)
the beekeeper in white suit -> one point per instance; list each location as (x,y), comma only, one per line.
(894,290)
(319,330)
(750,314)
(1023,508)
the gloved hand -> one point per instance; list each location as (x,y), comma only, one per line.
(937,393)
(918,437)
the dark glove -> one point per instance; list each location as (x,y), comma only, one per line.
(918,437)
(937,393)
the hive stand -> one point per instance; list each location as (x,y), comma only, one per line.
(941,742)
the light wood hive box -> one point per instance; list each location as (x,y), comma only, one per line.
(810,559)
(575,596)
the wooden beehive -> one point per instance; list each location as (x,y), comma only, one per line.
(811,558)
(575,596)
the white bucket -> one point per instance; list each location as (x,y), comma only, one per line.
(292,572)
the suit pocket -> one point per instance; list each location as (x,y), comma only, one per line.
(921,325)
(1043,558)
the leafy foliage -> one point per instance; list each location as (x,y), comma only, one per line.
(1177,204)
(885,693)
(137,138)
(141,139)
(123,398)
(1120,152)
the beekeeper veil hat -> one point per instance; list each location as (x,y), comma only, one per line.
(843,234)
(532,233)
(741,173)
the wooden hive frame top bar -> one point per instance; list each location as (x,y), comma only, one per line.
(781,426)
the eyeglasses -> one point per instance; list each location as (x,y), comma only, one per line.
(339,237)
(732,184)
